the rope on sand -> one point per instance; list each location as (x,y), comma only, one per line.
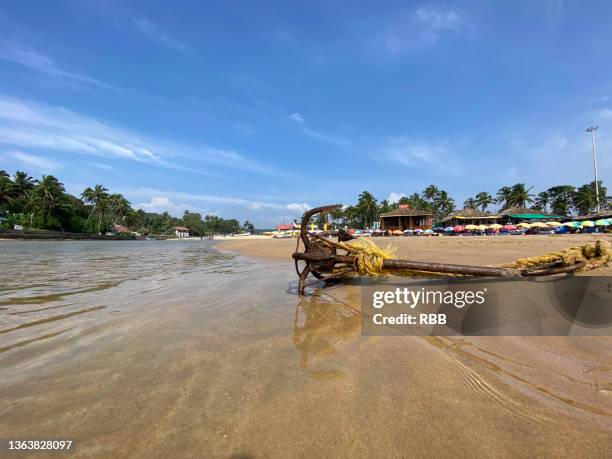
(368,257)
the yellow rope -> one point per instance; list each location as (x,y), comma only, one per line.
(369,257)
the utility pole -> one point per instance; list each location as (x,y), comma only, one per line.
(593,130)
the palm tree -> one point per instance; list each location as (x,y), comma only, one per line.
(585,200)
(443,205)
(368,207)
(483,199)
(470,203)
(6,189)
(47,198)
(22,184)
(503,197)
(431,193)
(542,200)
(520,196)
(98,197)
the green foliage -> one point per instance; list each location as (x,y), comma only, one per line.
(44,204)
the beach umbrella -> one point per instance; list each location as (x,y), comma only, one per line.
(458,228)
(471,227)
(524,225)
(481,227)
(539,225)
(418,230)
(602,222)
(510,227)
(553,224)
(428,231)
(572,224)
(495,226)
(438,229)
(587,223)
(448,229)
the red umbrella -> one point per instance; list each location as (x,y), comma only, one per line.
(510,227)
(458,229)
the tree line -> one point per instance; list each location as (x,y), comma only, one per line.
(559,200)
(44,204)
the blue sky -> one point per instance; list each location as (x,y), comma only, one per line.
(257,110)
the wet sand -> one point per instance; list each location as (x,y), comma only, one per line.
(213,355)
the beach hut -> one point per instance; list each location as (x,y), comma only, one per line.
(181,231)
(467,217)
(520,214)
(405,218)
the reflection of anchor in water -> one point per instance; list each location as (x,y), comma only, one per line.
(319,326)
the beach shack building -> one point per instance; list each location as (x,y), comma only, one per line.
(284,227)
(181,231)
(606,213)
(470,217)
(404,218)
(516,215)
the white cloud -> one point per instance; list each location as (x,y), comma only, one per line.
(296,117)
(161,204)
(419,28)
(36,162)
(34,125)
(30,58)
(299,208)
(106,167)
(395,197)
(150,193)
(606,113)
(153,32)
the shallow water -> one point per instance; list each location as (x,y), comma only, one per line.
(153,349)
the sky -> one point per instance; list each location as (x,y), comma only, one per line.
(259,110)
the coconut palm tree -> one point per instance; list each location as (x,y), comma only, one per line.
(483,199)
(98,198)
(585,200)
(368,207)
(443,205)
(520,196)
(431,193)
(48,199)
(503,196)
(6,190)
(542,200)
(470,203)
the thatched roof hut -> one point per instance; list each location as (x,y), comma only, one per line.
(405,218)
(470,217)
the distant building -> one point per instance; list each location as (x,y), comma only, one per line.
(121,229)
(284,227)
(405,218)
(181,231)
(470,217)
(521,214)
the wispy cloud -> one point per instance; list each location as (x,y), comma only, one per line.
(28,57)
(36,162)
(295,209)
(419,28)
(296,117)
(34,125)
(153,32)
(414,154)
